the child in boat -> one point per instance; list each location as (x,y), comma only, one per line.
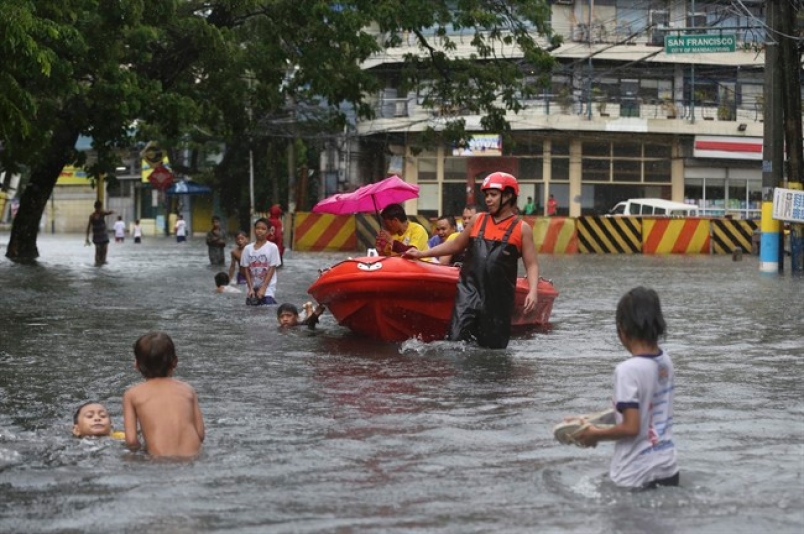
(288,315)
(222,284)
(91,419)
(644,452)
(241,240)
(166,410)
(258,264)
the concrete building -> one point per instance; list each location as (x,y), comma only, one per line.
(628,115)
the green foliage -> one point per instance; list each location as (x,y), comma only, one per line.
(189,72)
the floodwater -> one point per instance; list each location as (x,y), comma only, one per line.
(327,432)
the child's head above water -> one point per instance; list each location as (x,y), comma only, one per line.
(639,316)
(287,314)
(155,355)
(92,419)
(221,279)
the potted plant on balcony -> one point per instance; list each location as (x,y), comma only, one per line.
(564,99)
(601,99)
(725,111)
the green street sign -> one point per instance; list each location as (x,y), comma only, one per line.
(699,44)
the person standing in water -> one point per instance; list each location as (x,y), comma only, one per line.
(241,240)
(100,236)
(258,263)
(493,243)
(164,409)
(644,387)
(216,242)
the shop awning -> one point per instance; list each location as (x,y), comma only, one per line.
(725,147)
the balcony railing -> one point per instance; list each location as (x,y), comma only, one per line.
(610,108)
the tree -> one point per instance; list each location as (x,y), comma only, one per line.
(185,71)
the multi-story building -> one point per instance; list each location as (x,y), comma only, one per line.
(628,114)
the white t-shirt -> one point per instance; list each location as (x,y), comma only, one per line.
(230,289)
(181,228)
(258,261)
(647,383)
(137,230)
(119,229)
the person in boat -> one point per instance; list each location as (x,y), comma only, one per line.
(469,211)
(493,242)
(288,315)
(91,419)
(644,452)
(398,233)
(445,231)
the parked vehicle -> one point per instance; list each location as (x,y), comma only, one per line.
(653,206)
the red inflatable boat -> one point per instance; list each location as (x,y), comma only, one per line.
(394,299)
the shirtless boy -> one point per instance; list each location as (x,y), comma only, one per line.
(241,240)
(165,409)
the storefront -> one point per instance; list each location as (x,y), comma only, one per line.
(725,176)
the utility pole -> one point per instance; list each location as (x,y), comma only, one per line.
(591,70)
(772,146)
(692,75)
(789,61)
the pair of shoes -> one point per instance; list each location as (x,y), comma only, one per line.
(566,431)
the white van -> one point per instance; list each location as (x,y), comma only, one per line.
(654,206)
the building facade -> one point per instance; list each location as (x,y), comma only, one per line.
(658,99)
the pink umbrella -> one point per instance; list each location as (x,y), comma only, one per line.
(371,197)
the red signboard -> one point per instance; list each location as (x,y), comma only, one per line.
(161,178)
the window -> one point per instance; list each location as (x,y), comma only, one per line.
(530,169)
(455,169)
(427,169)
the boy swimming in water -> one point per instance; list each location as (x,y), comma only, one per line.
(222,284)
(91,419)
(165,409)
(288,315)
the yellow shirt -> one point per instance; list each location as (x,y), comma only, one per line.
(415,235)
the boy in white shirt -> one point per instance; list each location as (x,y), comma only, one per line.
(258,263)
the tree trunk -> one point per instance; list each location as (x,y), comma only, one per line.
(22,243)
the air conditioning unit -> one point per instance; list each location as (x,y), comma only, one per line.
(659,18)
(581,33)
(401,109)
(564,2)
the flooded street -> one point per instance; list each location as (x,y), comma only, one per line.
(324,431)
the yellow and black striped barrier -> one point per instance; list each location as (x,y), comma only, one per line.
(318,232)
(664,235)
(730,234)
(367,226)
(554,235)
(609,235)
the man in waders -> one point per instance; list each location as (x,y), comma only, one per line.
(493,243)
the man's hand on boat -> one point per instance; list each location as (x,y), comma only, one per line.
(447,248)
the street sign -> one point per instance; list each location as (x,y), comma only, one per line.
(788,205)
(161,178)
(700,44)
